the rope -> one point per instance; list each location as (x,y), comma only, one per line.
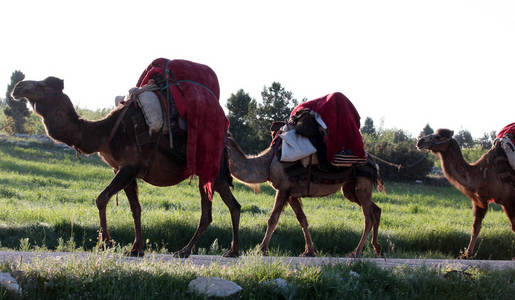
(398,166)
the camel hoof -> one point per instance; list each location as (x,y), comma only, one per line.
(308,254)
(353,255)
(135,253)
(264,251)
(231,253)
(107,244)
(182,254)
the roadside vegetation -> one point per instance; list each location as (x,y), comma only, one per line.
(108,277)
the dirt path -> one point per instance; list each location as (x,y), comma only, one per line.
(16,256)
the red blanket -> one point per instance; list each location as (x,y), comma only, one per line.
(507,129)
(196,93)
(342,120)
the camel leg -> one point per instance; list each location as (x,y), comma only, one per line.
(360,191)
(510,213)
(124,177)
(479,214)
(131,191)
(234,207)
(281,198)
(296,205)
(205,219)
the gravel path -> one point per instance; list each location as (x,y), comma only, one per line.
(16,256)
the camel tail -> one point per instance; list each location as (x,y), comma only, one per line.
(379,181)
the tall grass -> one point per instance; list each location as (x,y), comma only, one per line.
(47,196)
(108,277)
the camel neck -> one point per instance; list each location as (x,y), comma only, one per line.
(457,170)
(250,169)
(85,136)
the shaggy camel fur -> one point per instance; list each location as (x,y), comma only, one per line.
(480,181)
(157,165)
(265,167)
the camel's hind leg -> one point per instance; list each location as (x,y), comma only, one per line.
(296,205)
(281,198)
(234,207)
(131,191)
(205,219)
(360,191)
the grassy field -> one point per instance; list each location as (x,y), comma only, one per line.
(47,202)
(47,199)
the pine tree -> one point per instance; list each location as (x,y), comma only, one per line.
(368,127)
(427,130)
(16,112)
(277,106)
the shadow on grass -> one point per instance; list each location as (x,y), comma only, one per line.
(174,234)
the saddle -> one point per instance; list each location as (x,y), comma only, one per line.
(316,168)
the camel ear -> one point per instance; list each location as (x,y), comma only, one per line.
(55,83)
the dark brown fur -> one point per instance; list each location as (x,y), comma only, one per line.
(153,165)
(481,181)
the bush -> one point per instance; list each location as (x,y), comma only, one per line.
(397,147)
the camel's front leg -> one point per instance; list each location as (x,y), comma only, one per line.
(131,190)
(281,198)
(124,176)
(479,214)
(235,208)
(296,205)
(205,219)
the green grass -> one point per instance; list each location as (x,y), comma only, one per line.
(107,277)
(47,203)
(47,196)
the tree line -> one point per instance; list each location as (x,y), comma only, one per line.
(250,122)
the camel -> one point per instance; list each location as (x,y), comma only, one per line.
(155,164)
(266,167)
(489,178)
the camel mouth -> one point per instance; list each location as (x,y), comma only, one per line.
(422,145)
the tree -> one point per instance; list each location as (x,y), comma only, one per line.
(242,111)
(484,141)
(16,112)
(427,130)
(464,139)
(368,127)
(277,105)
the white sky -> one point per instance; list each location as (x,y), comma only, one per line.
(406,63)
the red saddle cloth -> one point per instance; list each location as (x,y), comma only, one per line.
(342,120)
(195,90)
(510,128)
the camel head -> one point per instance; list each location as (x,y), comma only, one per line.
(437,142)
(45,96)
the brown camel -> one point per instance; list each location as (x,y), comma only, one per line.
(155,164)
(489,178)
(266,167)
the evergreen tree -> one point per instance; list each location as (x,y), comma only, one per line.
(16,112)
(464,139)
(242,111)
(427,130)
(368,127)
(277,106)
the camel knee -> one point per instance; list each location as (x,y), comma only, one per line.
(101,201)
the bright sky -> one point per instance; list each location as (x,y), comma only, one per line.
(449,63)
